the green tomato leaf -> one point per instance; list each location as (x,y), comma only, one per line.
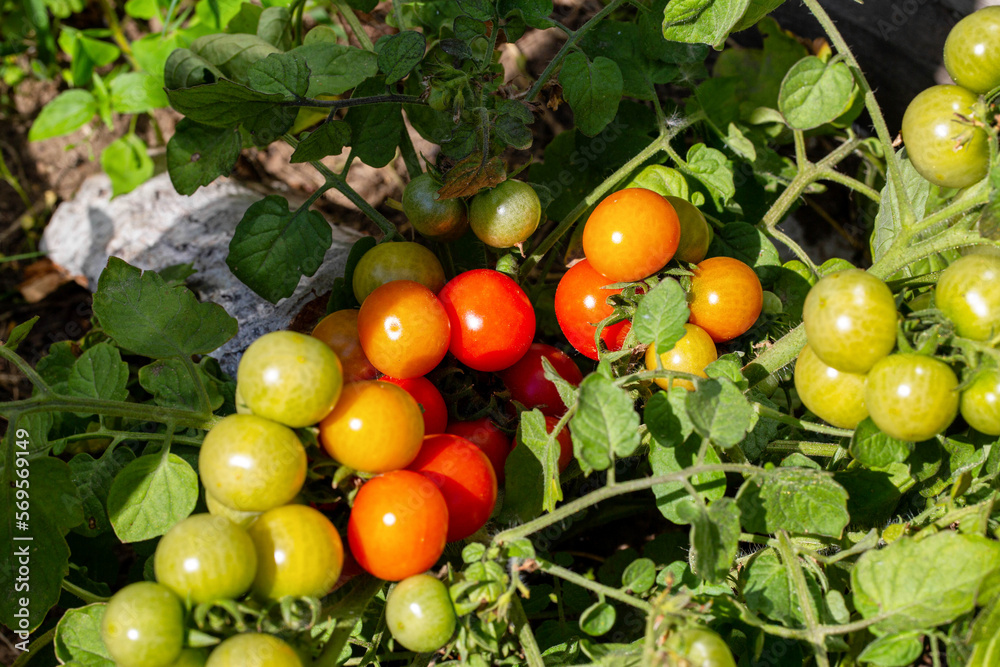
(714,170)
(639,576)
(986,636)
(137,92)
(274,247)
(875,449)
(598,619)
(715,539)
(666,417)
(99,373)
(703,21)
(275,27)
(534,12)
(719,411)
(400,54)
(660,317)
(797,500)
(327,139)
(184,69)
(619,41)
(171,384)
(223,104)
(375,128)
(198,154)
(35,520)
(922,583)
(232,54)
(68,112)
(282,74)
(605,425)
(663,180)
(512,124)
(523,485)
(593,90)
(336,68)
(145,315)
(92,478)
(672,498)
(748,244)
(897,650)
(545,448)
(815,92)
(481,10)
(150,495)
(78,638)
(767,587)
(127,163)
(888,220)
(19,333)
(567,392)
(472,174)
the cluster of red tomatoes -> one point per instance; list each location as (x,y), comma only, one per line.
(943,141)
(848,370)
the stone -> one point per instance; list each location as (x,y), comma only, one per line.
(153,227)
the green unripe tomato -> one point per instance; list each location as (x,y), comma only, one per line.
(700,647)
(191,657)
(912,396)
(506,215)
(251,464)
(205,558)
(972,51)
(143,626)
(980,403)
(253,649)
(836,397)
(696,233)
(968,293)
(944,150)
(433,218)
(419,613)
(850,320)
(403,260)
(217,508)
(290,378)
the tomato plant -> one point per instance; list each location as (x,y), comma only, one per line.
(581,303)
(726,298)
(419,613)
(339,330)
(429,399)
(527,383)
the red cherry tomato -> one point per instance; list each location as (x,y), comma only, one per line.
(581,303)
(526,379)
(466,479)
(404,329)
(726,298)
(564,439)
(398,525)
(492,320)
(429,399)
(486,435)
(631,234)
(339,330)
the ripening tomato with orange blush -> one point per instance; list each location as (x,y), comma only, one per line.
(581,302)
(339,330)
(726,298)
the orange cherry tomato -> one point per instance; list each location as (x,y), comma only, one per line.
(375,427)
(631,234)
(690,354)
(466,479)
(581,302)
(486,435)
(526,379)
(428,398)
(339,330)
(404,329)
(398,525)
(726,298)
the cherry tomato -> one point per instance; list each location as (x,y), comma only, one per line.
(943,149)
(433,218)
(403,260)
(696,233)
(700,647)
(339,330)
(492,321)
(690,354)
(968,293)
(205,558)
(419,613)
(143,626)
(376,427)
(253,649)
(404,329)
(191,657)
(911,396)
(252,464)
(289,378)
(466,479)
(526,379)
(726,298)
(972,51)
(218,508)
(980,402)
(850,320)
(486,435)
(631,234)
(429,399)
(836,397)
(398,525)
(299,553)
(581,302)
(506,215)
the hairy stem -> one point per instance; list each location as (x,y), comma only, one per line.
(583,582)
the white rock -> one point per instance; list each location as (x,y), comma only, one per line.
(153,227)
